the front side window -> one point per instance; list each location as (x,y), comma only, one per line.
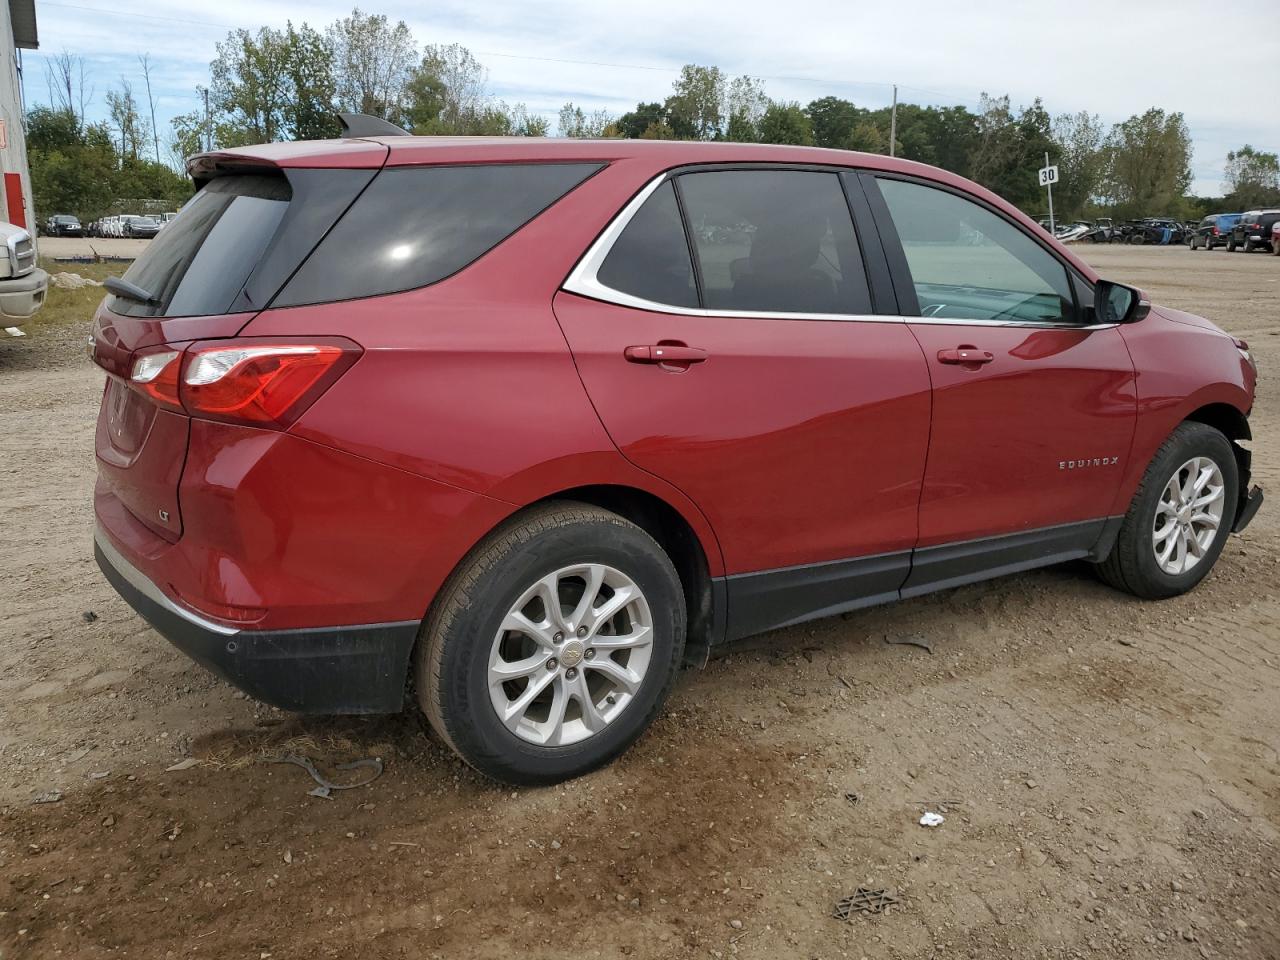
(968,263)
(774,241)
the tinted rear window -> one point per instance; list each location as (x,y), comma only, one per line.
(199,263)
(650,259)
(414,226)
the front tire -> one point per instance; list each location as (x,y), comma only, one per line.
(553,646)
(1179,518)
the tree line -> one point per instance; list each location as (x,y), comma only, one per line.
(288,84)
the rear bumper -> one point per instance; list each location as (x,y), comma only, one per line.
(348,669)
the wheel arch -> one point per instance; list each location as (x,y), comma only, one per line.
(704,594)
(1231,422)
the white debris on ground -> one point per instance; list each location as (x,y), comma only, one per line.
(72,281)
(932,819)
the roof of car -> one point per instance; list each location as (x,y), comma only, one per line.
(398,151)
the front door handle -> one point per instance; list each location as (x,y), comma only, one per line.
(665,353)
(965,354)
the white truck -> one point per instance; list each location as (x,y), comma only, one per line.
(23,285)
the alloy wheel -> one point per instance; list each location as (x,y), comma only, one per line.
(1188,515)
(570,655)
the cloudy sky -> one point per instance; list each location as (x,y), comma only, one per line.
(1111,57)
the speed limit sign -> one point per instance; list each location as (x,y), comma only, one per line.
(1048,175)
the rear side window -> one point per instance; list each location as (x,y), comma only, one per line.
(775,241)
(650,258)
(414,226)
(199,263)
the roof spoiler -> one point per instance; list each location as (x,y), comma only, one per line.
(363,125)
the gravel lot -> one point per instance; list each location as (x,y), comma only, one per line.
(1109,769)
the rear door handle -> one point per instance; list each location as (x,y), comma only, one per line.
(665,353)
(965,355)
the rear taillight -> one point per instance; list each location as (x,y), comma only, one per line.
(265,383)
(1217,232)
(156,375)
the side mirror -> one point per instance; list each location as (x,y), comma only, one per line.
(1116,303)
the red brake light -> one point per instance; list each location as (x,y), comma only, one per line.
(1216,232)
(156,376)
(261,382)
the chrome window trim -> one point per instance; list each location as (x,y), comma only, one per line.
(583,279)
(1028,324)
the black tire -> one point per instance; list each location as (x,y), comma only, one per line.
(452,657)
(1131,566)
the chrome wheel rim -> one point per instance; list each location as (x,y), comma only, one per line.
(570,655)
(1188,515)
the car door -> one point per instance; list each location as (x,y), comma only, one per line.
(755,377)
(1034,405)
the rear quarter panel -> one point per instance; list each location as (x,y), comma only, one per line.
(469,382)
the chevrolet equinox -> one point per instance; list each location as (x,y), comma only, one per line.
(515,428)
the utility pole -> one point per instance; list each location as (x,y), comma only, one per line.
(208,140)
(1049,187)
(893,122)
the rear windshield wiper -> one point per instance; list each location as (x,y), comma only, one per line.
(130,291)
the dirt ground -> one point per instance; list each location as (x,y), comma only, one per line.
(1109,770)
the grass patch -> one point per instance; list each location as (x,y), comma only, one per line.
(63,307)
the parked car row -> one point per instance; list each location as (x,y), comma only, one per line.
(130,225)
(1248,231)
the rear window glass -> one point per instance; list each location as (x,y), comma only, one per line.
(650,259)
(199,263)
(414,226)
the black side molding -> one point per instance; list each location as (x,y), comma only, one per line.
(780,598)
(771,599)
(956,564)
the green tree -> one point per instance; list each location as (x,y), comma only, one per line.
(309,112)
(634,123)
(1252,178)
(129,124)
(745,106)
(249,81)
(833,120)
(1078,141)
(786,123)
(374,61)
(696,108)
(574,122)
(1148,164)
(72,168)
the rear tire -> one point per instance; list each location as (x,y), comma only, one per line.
(1154,520)
(530,694)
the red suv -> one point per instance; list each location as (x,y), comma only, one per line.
(515,428)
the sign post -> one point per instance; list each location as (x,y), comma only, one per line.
(1048,177)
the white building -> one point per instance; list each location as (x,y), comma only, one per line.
(22,283)
(19,34)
